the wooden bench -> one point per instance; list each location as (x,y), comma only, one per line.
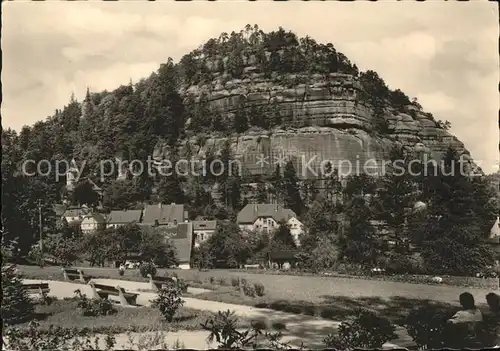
(101,291)
(157,282)
(75,274)
(252,266)
(37,288)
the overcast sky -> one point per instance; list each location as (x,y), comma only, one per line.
(443,53)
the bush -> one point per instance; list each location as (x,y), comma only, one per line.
(366,330)
(182,285)
(212,280)
(235,282)
(16,303)
(147,268)
(58,338)
(248,290)
(259,289)
(93,307)
(404,264)
(426,326)
(121,272)
(223,281)
(168,301)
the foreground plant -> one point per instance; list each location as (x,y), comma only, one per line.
(365,330)
(168,301)
(223,329)
(93,307)
(54,338)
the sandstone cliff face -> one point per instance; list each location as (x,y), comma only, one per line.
(327,119)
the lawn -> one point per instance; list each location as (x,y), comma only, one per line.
(65,314)
(330,297)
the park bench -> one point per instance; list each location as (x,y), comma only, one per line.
(252,266)
(101,291)
(37,288)
(158,282)
(75,274)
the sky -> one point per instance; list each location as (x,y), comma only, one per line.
(443,53)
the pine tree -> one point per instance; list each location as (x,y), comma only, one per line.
(291,189)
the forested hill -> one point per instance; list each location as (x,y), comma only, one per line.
(246,80)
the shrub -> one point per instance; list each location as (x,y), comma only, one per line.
(404,264)
(212,280)
(426,325)
(93,307)
(235,282)
(223,281)
(248,290)
(53,339)
(147,268)
(366,330)
(259,289)
(182,285)
(16,303)
(168,301)
(121,272)
(175,275)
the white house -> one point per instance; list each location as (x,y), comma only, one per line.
(266,217)
(495,230)
(203,230)
(92,222)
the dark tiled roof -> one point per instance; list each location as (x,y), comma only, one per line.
(165,214)
(204,225)
(182,238)
(127,216)
(251,212)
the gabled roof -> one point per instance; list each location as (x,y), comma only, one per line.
(251,212)
(182,238)
(126,216)
(59,209)
(99,218)
(164,214)
(75,212)
(204,225)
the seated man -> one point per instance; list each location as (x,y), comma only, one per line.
(461,331)
(492,320)
(469,312)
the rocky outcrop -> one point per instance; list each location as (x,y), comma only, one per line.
(327,119)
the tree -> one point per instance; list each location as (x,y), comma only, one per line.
(227,246)
(360,244)
(282,239)
(291,189)
(154,248)
(16,303)
(321,221)
(170,191)
(84,194)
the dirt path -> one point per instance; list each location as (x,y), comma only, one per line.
(299,328)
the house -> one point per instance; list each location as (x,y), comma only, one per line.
(266,217)
(119,218)
(203,230)
(164,215)
(75,214)
(182,238)
(93,221)
(495,230)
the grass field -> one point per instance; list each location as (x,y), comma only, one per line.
(65,314)
(329,297)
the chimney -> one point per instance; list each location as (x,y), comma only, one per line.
(160,205)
